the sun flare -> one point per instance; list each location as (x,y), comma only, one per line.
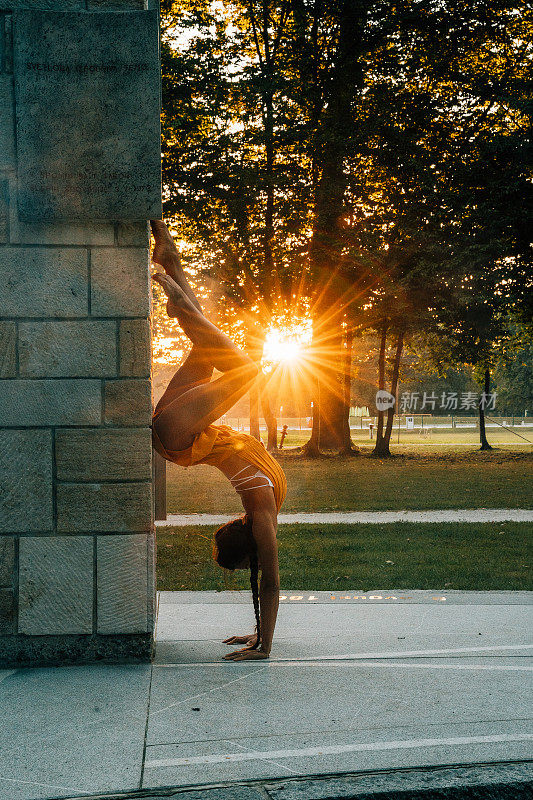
(286,345)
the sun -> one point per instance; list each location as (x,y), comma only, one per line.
(280,348)
(285,345)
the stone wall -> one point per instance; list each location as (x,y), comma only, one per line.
(76,521)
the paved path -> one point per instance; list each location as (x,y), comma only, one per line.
(414,679)
(367,517)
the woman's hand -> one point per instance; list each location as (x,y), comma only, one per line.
(250,640)
(246,654)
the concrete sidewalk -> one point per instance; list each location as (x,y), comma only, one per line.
(356,683)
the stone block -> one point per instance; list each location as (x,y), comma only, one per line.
(133,234)
(60,650)
(8,43)
(4,211)
(27,403)
(135,348)
(25,480)
(7,612)
(120,282)
(128,402)
(232,792)
(81,348)
(7,560)
(104,507)
(111,168)
(152,581)
(103,454)
(55,584)
(8,357)
(63,5)
(122,584)
(7,118)
(57,233)
(115,5)
(39,282)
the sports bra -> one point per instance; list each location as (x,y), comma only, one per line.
(217,443)
(238,483)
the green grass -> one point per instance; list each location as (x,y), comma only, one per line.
(416,478)
(354,557)
(435,436)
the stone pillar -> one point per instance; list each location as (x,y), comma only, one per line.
(77,554)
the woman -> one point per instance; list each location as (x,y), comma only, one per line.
(183,432)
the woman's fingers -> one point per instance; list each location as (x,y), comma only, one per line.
(236,640)
(237,653)
(246,655)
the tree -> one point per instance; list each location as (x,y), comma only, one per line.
(338,151)
(442,190)
(513,369)
(219,148)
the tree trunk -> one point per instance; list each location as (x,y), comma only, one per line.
(482,435)
(347,444)
(328,399)
(269,180)
(270,419)
(254,410)
(255,341)
(385,445)
(326,246)
(381,385)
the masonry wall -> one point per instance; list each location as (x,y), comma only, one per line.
(76,523)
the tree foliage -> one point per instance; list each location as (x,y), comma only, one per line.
(361,161)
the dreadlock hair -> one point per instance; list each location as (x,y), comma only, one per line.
(233,542)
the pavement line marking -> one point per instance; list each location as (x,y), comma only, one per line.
(348,663)
(495,668)
(202,694)
(308,752)
(6,674)
(367,656)
(367,517)
(47,785)
(270,761)
(402,654)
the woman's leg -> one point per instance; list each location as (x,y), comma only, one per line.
(223,354)
(197,408)
(192,410)
(196,366)
(195,369)
(166,254)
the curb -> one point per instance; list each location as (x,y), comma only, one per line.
(508,780)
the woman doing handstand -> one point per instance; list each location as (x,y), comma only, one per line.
(183,433)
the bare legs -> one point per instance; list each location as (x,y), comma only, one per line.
(187,411)
(166,254)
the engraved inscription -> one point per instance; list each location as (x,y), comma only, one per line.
(87,88)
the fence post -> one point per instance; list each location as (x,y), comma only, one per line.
(159,473)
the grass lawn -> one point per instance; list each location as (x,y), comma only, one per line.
(429,436)
(416,478)
(354,557)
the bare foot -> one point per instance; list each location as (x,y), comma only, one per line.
(177,299)
(165,252)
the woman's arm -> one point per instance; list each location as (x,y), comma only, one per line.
(264,531)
